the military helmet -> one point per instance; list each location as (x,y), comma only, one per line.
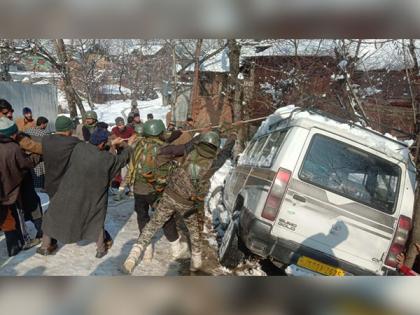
(91,114)
(153,127)
(138,128)
(210,137)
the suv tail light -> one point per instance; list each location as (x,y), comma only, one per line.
(276,194)
(399,241)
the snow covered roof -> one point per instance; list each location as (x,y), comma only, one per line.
(217,63)
(147,50)
(373,54)
(386,144)
(151,50)
(288,48)
(35,74)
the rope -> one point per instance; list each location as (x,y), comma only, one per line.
(237,123)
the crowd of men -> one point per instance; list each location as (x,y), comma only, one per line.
(165,169)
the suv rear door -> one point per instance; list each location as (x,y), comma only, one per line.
(341,201)
(253,171)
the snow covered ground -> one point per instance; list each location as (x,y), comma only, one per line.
(79,259)
(217,220)
(109,111)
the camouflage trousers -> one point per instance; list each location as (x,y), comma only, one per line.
(164,211)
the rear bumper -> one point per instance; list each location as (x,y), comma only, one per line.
(256,235)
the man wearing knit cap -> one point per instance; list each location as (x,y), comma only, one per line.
(122,130)
(37,133)
(27,121)
(57,149)
(28,200)
(13,166)
(25,142)
(77,211)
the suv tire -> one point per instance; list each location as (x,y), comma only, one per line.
(230,253)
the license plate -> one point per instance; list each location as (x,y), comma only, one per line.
(320,267)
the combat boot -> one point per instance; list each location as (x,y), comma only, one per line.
(196,261)
(132,259)
(179,249)
(148,253)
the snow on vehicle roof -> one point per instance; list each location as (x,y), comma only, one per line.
(385,144)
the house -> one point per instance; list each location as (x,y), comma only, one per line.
(210,106)
(273,79)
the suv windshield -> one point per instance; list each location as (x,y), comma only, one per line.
(351,172)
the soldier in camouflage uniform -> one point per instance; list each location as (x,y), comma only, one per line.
(187,187)
(90,125)
(149,181)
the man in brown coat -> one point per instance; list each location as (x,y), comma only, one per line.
(25,142)
(14,164)
(29,201)
(27,121)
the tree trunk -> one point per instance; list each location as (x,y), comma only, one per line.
(415,232)
(196,81)
(72,97)
(235,90)
(174,93)
(89,99)
(412,49)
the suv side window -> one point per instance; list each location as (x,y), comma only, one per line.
(351,172)
(243,160)
(255,154)
(271,148)
(262,151)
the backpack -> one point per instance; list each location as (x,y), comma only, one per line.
(197,168)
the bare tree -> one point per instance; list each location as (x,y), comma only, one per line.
(56,54)
(7,57)
(91,69)
(61,63)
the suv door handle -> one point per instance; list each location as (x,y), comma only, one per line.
(299,198)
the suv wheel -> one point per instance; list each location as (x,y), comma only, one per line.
(230,254)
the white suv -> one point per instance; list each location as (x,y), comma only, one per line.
(320,196)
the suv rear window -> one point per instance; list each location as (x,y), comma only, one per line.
(351,172)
